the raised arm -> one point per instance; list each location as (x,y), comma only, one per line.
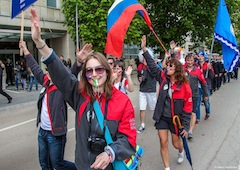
(66,82)
(153,68)
(32,63)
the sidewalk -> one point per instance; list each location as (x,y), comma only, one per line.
(21,98)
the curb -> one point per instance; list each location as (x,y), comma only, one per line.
(17,106)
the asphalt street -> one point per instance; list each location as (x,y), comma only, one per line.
(216,142)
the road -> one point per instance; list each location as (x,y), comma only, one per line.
(216,143)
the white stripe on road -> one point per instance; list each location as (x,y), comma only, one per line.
(13,91)
(16,125)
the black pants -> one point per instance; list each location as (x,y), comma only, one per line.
(5,94)
(236,73)
(216,82)
(9,78)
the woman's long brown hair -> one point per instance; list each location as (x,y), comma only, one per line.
(180,74)
(86,87)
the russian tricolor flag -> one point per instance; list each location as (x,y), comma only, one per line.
(119,18)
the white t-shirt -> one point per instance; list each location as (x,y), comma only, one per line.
(45,120)
(123,85)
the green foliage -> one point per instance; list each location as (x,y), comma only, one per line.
(92,22)
(171,19)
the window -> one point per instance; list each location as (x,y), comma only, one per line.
(51,3)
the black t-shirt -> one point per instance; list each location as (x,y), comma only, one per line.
(167,107)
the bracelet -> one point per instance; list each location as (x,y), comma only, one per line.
(80,61)
(109,154)
(41,47)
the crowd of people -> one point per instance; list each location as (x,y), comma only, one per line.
(23,75)
(184,84)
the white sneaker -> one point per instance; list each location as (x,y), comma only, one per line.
(168,168)
(180,157)
(141,129)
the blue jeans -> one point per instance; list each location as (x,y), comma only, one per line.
(33,80)
(51,151)
(206,103)
(16,82)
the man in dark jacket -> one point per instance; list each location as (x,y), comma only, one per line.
(147,94)
(52,116)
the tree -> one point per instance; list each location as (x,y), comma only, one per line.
(236,19)
(92,19)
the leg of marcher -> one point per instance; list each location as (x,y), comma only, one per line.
(6,95)
(177,143)
(142,108)
(198,111)
(207,106)
(43,150)
(56,149)
(163,137)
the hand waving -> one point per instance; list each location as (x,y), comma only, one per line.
(84,52)
(35,27)
(128,71)
(143,43)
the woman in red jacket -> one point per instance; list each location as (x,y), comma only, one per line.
(175,98)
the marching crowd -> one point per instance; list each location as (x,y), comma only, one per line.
(184,84)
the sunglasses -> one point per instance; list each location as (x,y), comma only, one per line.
(98,70)
(110,63)
(171,66)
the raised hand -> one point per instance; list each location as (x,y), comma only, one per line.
(128,71)
(35,26)
(84,52)
(22,44)
(143,43)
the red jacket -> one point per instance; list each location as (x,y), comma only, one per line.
(195,77)
(120,116)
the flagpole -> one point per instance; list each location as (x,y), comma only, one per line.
(158,40)
(77,42)
(211,48)
(22,29)
(209,59)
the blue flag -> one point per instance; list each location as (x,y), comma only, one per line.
(19,5)
(224,33)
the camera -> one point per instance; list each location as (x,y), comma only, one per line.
(97,144)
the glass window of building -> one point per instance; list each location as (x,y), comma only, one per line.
(52,3)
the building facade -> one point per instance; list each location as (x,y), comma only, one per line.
(52,30)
